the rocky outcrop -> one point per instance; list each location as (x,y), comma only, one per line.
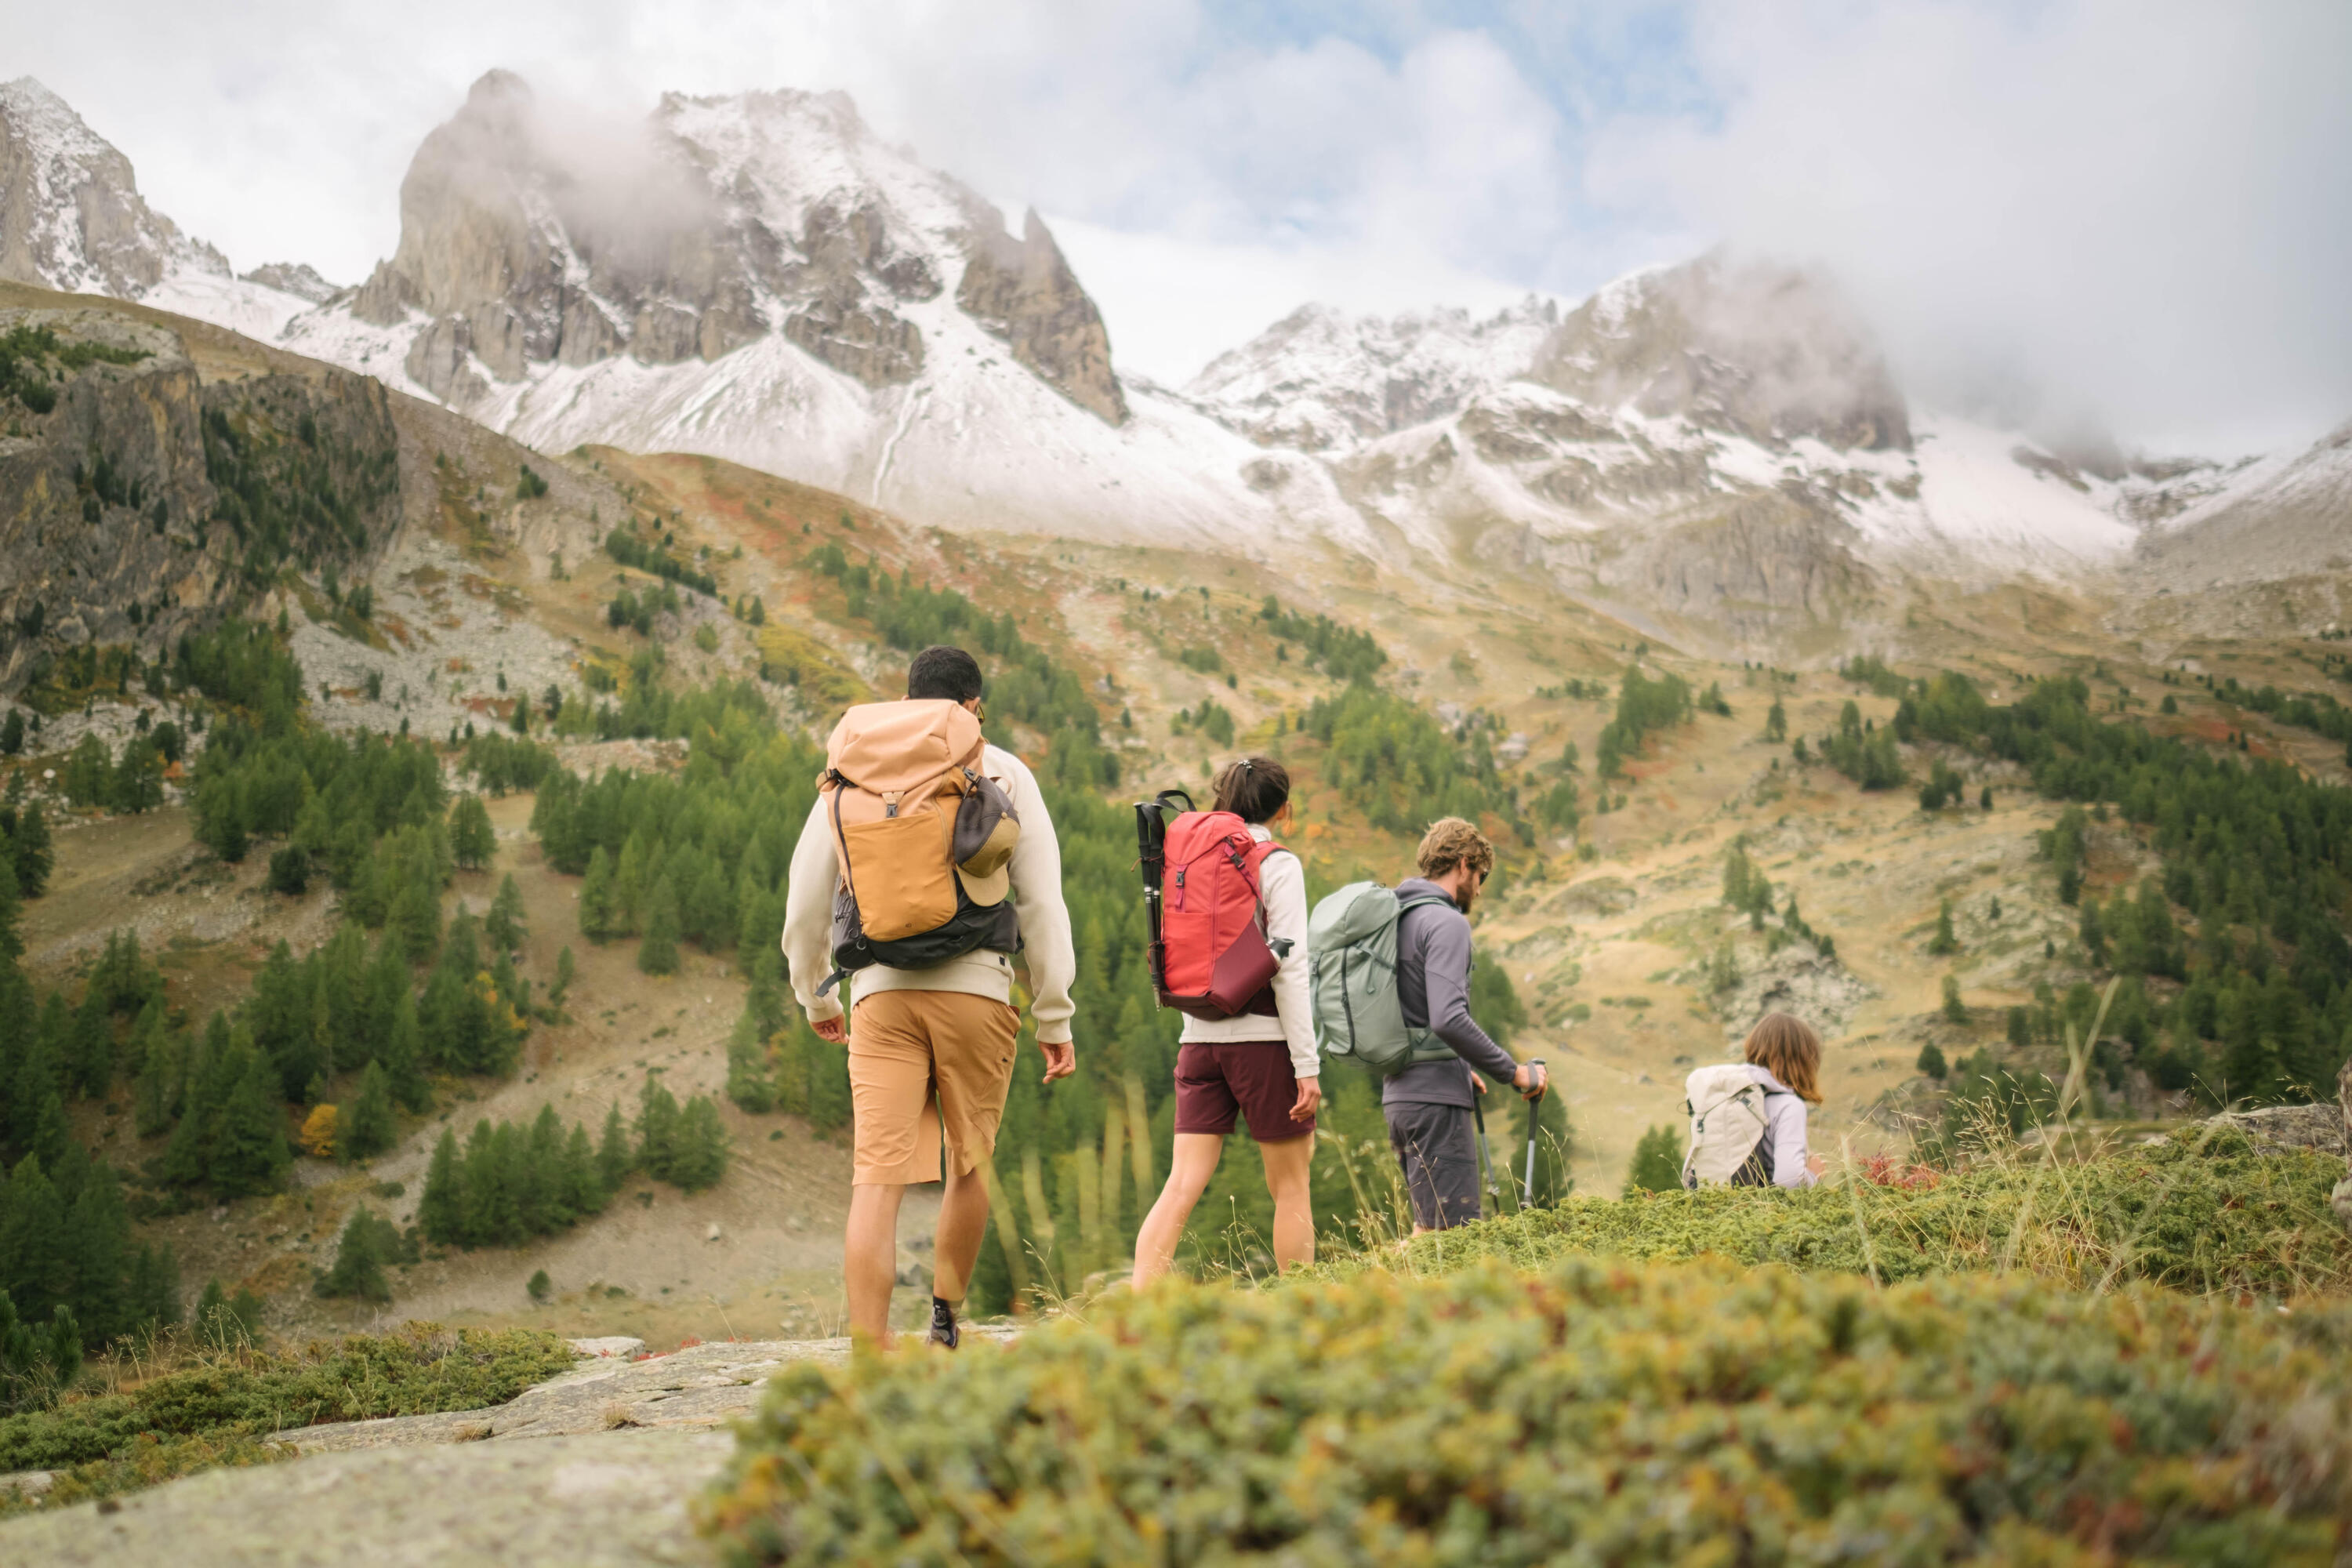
(1025,293)
(1758,567)
(1759,350)
(297,278)
(144,501)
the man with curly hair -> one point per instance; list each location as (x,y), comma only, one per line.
(1428,1105)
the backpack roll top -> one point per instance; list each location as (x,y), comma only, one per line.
(924,839)
(1352,938)
(1730,1133)
(1212,958)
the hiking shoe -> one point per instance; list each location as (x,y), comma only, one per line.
(943,1324)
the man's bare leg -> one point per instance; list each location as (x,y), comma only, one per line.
(869,1263)
(963,1223)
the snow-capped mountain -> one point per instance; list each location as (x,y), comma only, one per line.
(760,277)
(1719,441)
(71,219)
(1320,379)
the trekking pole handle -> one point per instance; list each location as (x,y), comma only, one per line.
(1543,1077)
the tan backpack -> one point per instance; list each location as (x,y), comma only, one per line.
(924,839)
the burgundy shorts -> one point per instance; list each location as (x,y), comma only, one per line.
(1251,1079)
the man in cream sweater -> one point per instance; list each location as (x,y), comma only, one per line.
(931,1050)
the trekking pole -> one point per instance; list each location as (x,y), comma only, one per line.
(1490,1188)
(1543,1082)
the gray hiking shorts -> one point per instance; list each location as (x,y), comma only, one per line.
(1439,1152)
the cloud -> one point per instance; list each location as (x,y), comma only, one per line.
(2129,211)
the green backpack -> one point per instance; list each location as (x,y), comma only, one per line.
(1352,944)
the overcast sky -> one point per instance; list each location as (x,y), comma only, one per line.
(2130,212)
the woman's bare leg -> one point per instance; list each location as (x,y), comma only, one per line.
(1286,1166)
(1194,1162)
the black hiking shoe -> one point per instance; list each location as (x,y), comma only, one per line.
(943,1324)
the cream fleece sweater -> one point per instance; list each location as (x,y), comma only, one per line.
(1036,895)
(1282,883)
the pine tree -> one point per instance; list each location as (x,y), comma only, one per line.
(154,1287)
(1776,723)
(658,954)
(12,913)
(563,972)
(750,1067)
(1955,1010)
(91,1055)
(249,1151)
(438,1212)
(2093,932)
(12,733)
(698,1156)
(504,925)
(583,1184)
(472,841)
(656,1129)
(31,851)
(614,1158)
(543,1198)
(415,914)
(1945,941)
(599,908)
(1931,1063)
(160,1091)
(403,1056)
(1657,1165)
(97,1234)
(369,1129)
(2019,1028)
(369,1242)
(35,1246)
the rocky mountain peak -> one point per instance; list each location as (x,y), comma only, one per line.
(1754,349)
(71,219)
(713,224)
(71,213)
(1322,378)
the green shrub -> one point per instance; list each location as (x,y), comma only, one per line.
(2200,1211)
(1604,1413)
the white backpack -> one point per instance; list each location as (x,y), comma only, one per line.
(1727,1128)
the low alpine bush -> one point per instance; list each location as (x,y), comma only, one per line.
(2200,1211)
(1600,1412)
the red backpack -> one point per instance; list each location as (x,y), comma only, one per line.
(1210,954)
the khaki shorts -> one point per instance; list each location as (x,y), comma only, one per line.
(921,1061)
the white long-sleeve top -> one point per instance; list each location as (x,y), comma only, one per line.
(1282,885)
(1784,1126)
(1045,942)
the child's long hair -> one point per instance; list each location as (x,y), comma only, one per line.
(1786,1046)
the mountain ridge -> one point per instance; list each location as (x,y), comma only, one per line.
(759,277)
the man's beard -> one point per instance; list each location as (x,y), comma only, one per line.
(1465,895)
